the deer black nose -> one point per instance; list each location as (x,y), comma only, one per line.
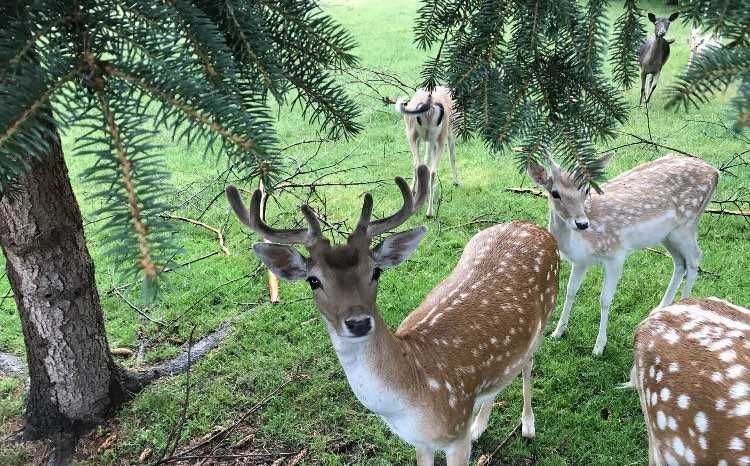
(359,326)
(582,225)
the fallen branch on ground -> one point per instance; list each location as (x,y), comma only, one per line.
(11,365)
(224,433)
(219,233)
(487,460)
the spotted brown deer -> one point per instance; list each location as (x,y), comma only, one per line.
(434,379)
(654,53)
(428,117)
(692,363)
(656,202)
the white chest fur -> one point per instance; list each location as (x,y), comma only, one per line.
(373,392)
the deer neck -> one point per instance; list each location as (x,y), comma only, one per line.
(377,368)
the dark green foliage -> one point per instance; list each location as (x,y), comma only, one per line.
(718,68)
(124,69)
(526,73)
(629,34)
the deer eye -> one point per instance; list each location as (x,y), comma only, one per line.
(376,273)
(555,194)
(314,282)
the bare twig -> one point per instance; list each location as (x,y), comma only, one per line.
(663,146)
(486,460)
(136,308)
(224,433)
(533,192)
(218,232)
(664,254)
(174,435)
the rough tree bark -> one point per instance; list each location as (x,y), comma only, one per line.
(74,382)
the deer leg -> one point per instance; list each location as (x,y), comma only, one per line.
(643,86)
(678,261)
(480,422)
(527,416)
(612,275)
(414,144)
(577,274)
(654,81)
(459,453)
(435,150)
(452,153)
(693,255)
(425,456)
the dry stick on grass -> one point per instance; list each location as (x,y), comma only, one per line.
(218,232)
(487,460)
(224,433)
(174,435)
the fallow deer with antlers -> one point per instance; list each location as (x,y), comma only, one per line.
(433,381)
(692,362)
(656,202)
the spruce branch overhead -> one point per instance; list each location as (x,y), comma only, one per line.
(122,70)
(524,73)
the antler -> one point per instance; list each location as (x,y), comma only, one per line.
(252,218)
(410,206)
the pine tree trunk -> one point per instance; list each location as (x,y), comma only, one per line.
(74,383)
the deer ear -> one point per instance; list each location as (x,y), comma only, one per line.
(539,175)
(397,248)
(673,17)
(652,17)
(282,260)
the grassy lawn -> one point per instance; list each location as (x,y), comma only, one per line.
(581,418)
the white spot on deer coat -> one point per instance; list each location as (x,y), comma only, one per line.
(736,443)
(701,421)
(738,390)
(683,401)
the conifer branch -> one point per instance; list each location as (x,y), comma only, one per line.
(149,268)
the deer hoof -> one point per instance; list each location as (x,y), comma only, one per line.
(558,334)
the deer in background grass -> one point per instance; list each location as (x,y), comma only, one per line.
(692,363)
(654,53)
(656,202)
(428,118)
(434,380)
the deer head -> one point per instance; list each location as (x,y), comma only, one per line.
(343,278)
(661,25)
(567,199)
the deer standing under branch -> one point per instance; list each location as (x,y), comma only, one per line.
(656,202)
(654,53)
(692,363)
(434,380)
(429,118)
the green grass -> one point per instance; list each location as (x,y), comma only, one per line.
(581,418)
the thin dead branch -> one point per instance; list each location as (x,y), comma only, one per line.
(218,232)
(132,306)
(487,460)
(533,192)
(223,434)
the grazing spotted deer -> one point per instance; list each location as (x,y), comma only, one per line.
(700,43)
(654,53)
(434,380)
(692,363)
(656,202)
(429,118)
